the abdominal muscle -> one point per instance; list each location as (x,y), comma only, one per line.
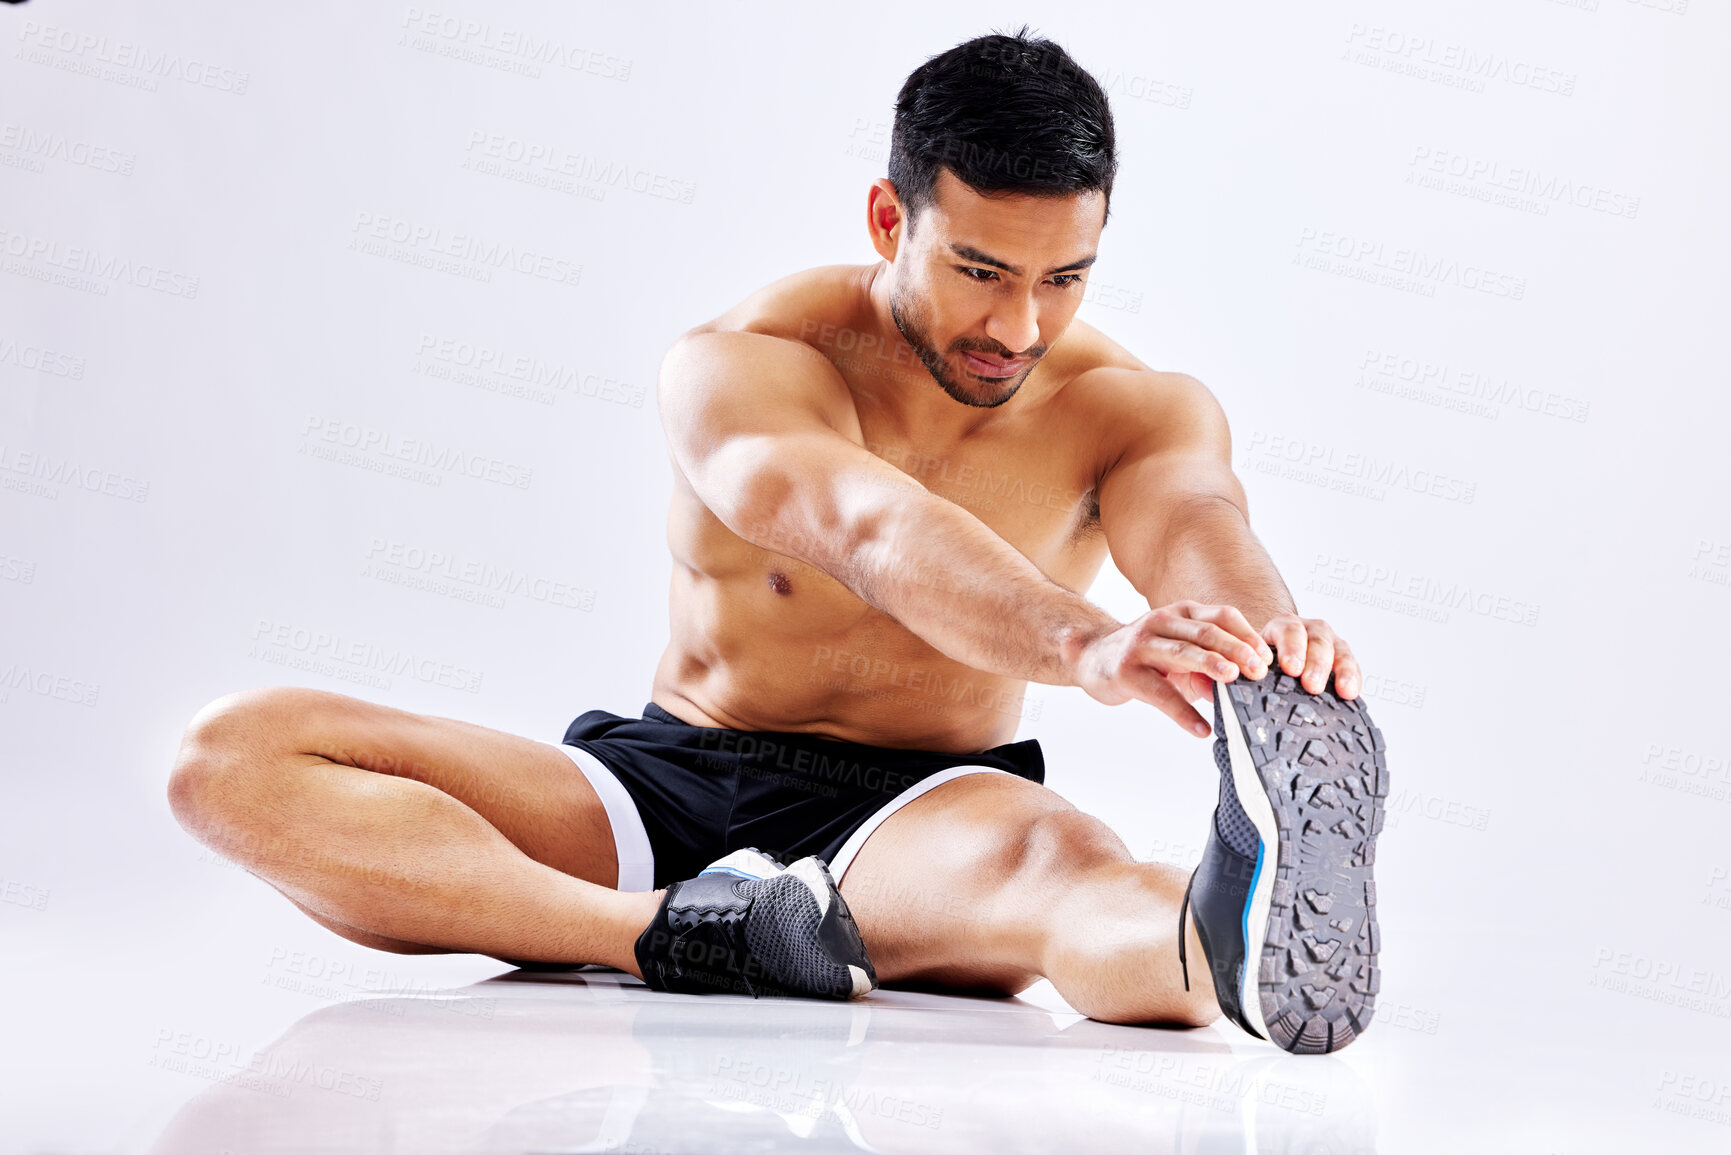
(778,645)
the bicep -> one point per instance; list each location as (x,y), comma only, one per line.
(754,423)
(1175,467)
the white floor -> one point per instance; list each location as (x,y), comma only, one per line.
(205,1040)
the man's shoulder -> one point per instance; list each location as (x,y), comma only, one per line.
(1140,403)
(800,306)
(764,350)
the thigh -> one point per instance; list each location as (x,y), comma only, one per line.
(530,791)
(950,889)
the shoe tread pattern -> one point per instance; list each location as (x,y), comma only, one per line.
(1321,761)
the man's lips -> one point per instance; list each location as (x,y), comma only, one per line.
(993,367)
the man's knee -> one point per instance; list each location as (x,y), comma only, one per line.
(227,745)
(1061,845)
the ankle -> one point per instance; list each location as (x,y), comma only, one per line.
(637,911)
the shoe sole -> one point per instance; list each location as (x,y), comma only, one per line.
(1310,773)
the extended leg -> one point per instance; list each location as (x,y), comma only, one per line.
(406,832)
(989,882)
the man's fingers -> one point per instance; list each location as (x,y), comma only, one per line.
(1194,688)
(1166,655)
(1209,636)
(1229,619)
(1288,637)
(1347,677)
(1318,661)
(1163,696)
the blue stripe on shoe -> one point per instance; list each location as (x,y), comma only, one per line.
(1244,925)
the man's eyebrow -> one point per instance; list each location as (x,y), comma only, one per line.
(969,253)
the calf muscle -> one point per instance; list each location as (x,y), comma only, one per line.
(398,858)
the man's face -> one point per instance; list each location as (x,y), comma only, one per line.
(983,286)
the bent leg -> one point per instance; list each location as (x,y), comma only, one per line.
(406,832)
(989,882)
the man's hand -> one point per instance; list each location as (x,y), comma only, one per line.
(1310,650)
(1170,656)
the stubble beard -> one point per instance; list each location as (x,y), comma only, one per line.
(912,328)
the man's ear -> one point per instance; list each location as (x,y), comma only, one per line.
(886,223)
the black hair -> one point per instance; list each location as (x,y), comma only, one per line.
(1005,114)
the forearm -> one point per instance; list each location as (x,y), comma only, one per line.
(1210,555)
(946,576)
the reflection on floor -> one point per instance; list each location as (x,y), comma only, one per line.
(593,1061)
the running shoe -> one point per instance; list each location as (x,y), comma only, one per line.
(1283,900)
(748,925)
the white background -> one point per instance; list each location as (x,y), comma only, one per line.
(1553,880)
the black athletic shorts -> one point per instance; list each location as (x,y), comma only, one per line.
(680,796)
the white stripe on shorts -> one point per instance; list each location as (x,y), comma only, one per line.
(845,856)
(630,839)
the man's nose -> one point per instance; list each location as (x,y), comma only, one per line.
(1015,324)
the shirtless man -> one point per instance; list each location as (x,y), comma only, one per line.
(893,485)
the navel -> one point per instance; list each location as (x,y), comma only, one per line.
(779,583)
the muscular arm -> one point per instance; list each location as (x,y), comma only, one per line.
(1178,526)
(756,424)
(1175,515)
